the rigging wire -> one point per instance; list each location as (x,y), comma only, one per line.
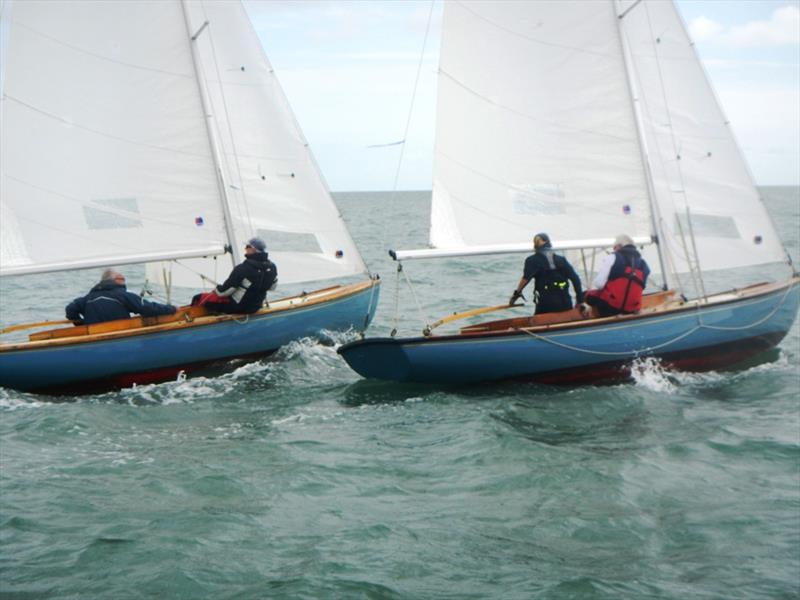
(402,144)
(692,260)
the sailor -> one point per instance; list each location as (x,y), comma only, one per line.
(620,281)
(110,300)
(552,273)
(246,287)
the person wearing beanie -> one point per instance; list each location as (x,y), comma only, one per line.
(110,300)
(620,281)
(552,274)
(245,289)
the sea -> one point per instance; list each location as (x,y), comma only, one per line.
(292,477)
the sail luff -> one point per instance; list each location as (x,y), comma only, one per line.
(214,146)
(648,173)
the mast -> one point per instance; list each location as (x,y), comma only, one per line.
(655,216)
(212,140)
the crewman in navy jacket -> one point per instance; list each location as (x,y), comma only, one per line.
(110,300)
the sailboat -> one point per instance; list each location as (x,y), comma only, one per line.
(157,133)
(586,120)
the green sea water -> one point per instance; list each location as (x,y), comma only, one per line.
(292,478)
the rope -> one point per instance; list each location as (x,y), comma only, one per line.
(601,353)
(198,273)
(753,324)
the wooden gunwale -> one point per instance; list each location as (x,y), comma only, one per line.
(670,307)
(183,319)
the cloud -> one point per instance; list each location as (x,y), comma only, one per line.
(782,28)
(702,29)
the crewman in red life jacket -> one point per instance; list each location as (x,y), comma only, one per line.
(620,281)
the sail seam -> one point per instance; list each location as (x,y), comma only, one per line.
(100,133)
(100,56)
(507,185)
(532,39)
(87,203)
(561,126)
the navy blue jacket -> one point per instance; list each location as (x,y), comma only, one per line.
(248,283)
(551,289)
(108,301)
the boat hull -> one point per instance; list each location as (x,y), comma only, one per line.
(697,338)
(115,360)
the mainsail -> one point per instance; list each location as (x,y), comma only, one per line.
(535,128)
(132,130)
(585,119)
(105,156)
(274,188)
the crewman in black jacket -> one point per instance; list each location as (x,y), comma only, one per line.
(246,287)
(552,273)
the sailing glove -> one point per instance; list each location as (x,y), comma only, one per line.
(517,294)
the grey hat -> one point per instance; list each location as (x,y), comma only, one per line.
(257,243)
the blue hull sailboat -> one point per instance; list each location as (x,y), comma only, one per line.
(726,330)
(119,354)
(586,120)
(156,133)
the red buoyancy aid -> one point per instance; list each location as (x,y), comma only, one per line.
(624,293)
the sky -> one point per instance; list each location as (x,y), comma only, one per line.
(349,70)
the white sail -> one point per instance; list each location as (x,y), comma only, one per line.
(585,119)
(275,189)
(535,126)
(105,156)
(696,163)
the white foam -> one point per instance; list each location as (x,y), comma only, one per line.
(649,373)
(13,400)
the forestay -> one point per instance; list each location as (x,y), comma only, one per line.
(105,157)
(274,188)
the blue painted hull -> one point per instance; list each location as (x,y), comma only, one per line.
(91,365)
(692,338)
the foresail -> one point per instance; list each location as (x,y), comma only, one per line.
(275,189)
(105,156)
(535,126)
(702,184)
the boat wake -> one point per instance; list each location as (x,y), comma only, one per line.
(14,400)
(651,374)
